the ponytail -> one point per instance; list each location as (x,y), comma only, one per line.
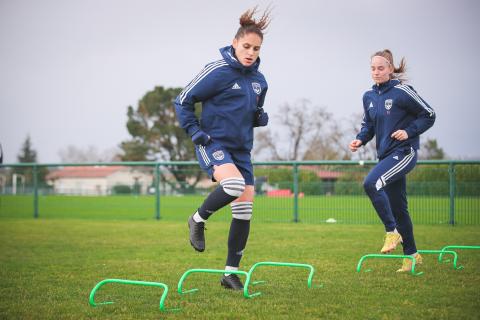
(249,24)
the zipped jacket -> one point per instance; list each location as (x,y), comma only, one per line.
(230,94)
(393,106)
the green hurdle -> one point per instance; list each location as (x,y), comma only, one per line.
(190,271)
(446,248)
(455,256)
(277,264)
(133,282)
(388,256)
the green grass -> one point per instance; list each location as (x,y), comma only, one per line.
(49,266)
(311,209)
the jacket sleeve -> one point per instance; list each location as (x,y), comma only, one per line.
(425,115)
(367,130)
(201,88)
(261,98)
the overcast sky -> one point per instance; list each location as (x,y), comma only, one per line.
(69,69)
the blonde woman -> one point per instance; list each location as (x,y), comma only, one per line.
(396,115)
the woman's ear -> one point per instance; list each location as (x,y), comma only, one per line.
(392,69)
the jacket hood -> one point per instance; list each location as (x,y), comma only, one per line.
(228,53)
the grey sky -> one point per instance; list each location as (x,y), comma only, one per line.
(69,69)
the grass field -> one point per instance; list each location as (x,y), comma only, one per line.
(311,209)
(49,266)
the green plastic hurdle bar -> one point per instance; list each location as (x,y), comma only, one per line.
(455,256)
(134,282)
(248,275)
(388,256)
(188,272)
(277,264)
(444,249)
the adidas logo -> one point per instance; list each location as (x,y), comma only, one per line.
(236,86)
(370,106)
(395,157)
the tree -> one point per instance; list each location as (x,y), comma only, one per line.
(157,135)
(89,154)
(134,150)
(329,146)
(304,132)
(366,152)
(29,155)
(431,151)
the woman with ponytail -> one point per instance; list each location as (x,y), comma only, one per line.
(232,92)
(396,115)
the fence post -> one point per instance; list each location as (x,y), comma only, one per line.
(451,175)
(295,192)
(157,191)
(35,191)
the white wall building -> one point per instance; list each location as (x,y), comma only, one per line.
(98,180)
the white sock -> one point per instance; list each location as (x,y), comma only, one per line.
(197,218)
(415,254)
(228,268)
(394,231)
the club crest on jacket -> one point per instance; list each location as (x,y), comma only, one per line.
(256,87)
(388,104)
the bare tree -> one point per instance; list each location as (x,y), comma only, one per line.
(88,154)
(265,145)
(330,146)
(366,152)
(301,132)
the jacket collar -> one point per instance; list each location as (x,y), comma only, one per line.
(228,53)
(383,87)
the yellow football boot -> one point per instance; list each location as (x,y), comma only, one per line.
(392,239)
(407,263)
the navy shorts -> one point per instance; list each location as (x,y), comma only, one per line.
(214,154)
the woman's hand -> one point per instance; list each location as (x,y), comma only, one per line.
(200,138)
(400,135)
(261,118)
(354,145)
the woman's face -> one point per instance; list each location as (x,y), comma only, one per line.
(247,48)
(381,69)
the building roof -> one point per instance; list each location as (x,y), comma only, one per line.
(84,172)
(324,174)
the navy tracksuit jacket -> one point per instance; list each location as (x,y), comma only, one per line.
(230,94)
(389,107)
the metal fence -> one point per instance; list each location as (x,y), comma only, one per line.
(439,192)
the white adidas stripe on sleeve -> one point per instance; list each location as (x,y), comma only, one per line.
(416,97)
(205,71)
